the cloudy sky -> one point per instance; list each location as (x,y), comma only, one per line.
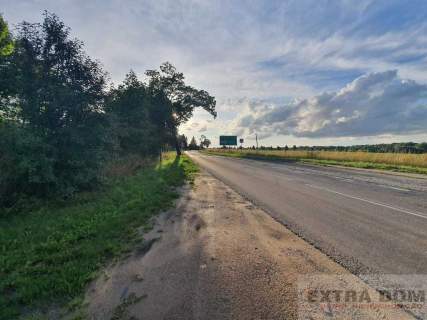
(304,72)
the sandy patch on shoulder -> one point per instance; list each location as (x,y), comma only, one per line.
(217,256)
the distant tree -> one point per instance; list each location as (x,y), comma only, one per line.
(183,98)
(202,138)
(193,144)
(205,142)
(183,141)
(286,148)
(294,147)
(422,147)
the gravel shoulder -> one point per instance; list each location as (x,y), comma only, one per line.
(217,256)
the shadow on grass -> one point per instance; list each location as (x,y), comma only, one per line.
(48,255)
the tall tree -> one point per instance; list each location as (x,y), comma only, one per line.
(135,117)
(183,99)
(57,96)
(193,144)
(183,141)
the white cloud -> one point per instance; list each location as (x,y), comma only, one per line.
(255,55)
(373,104)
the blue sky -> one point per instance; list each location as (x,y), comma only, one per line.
(294,72)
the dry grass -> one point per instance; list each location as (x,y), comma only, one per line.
(395,159)
(125,167)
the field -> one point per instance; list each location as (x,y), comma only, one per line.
(402,162)
(48,255)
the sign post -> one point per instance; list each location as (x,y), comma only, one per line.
(241,143)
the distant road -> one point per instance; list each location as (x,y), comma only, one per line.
(367,221)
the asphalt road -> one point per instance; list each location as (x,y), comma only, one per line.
(367,221)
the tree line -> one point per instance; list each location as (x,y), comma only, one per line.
(61,120)
(399,147)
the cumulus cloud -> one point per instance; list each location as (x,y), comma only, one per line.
(267,52)
(373,104)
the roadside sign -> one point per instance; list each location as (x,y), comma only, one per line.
(241,140)
(228,140)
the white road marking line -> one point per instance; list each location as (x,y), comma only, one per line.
(341,178)
(417,214)
(396,188)
(344,179)
(380,185)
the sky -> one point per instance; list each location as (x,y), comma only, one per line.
(303,72)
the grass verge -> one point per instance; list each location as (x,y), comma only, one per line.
(48,256)
(288,156)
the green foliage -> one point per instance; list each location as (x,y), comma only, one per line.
(53,106)
(60,131)
(183,141)
(137,118)
(204,142)
(193,144)
(146,117)
(183,99)
(26,164)
(59,125)
(6,43)
(6,49)
(49,255)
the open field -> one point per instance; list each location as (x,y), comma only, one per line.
(402,162)
(367,221)
(50,254)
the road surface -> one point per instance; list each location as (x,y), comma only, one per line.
(217,256)
(367,221)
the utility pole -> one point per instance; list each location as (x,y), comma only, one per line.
(256,138)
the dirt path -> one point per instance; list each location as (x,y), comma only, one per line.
(216,256)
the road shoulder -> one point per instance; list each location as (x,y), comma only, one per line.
(217,256)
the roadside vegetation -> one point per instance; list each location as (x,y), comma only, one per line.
(78,156)
(62,122)
(50,253)
(396,147)
(401,162)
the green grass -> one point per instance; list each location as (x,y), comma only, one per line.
(355,164)
(48,256)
